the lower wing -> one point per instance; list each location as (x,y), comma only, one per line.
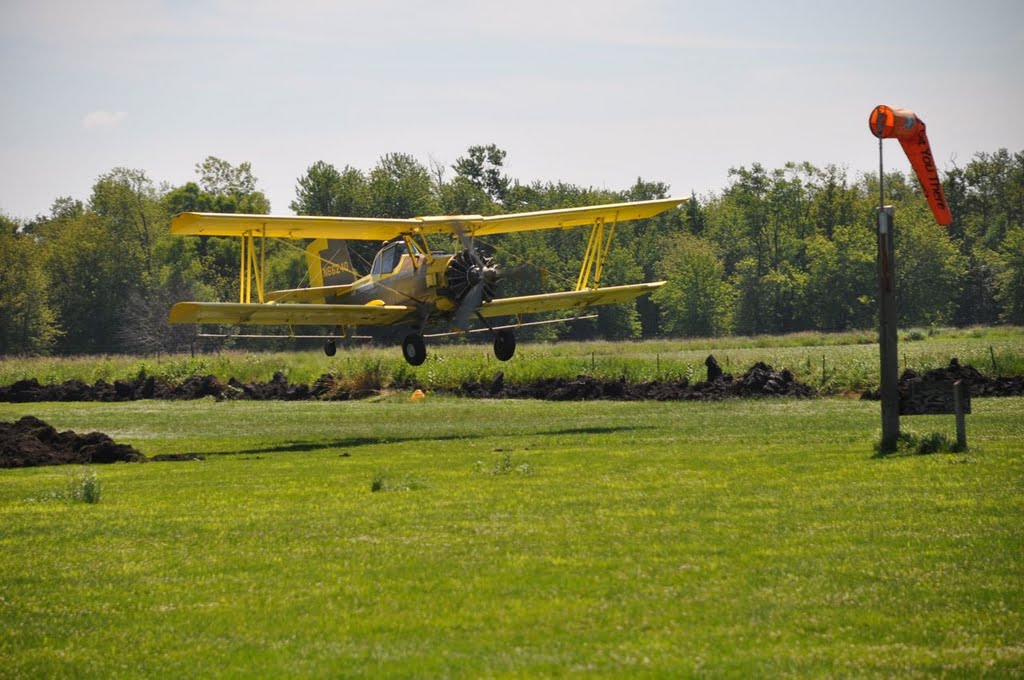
(287,314)
(576,299)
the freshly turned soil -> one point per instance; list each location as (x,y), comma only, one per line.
(979,384)
(761,380)
(30,442)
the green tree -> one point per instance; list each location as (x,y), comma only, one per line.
(218,177)
(696,220)
(833,202)
(27,323)
(231,188)
(1011,278)
(993,198)
(91,278)
(784,290)
(979,301)
(749,316)
(696,301)
(841,284)
(463,197)
(189,198)
(325,191)
(317,191)
(128,204)
(482,169)
(929,269)
(400,186)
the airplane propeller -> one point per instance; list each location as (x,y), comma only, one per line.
(469,304)
(473,277)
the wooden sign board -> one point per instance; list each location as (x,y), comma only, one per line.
(934,398)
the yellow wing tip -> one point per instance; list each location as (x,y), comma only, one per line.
(183,312)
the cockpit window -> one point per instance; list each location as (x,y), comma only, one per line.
(389,257)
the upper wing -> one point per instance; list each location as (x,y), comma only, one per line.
(576,299)
(287,314)
(571,217)
(280,226)
(378,229)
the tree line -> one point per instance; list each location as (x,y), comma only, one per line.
(776,251)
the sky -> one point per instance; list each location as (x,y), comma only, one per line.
(594,93)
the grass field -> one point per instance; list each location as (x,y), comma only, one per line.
(834,363)
(517,538)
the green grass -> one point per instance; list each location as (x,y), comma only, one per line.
(834,363)
(743,538)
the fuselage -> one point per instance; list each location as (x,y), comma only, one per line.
(398,277)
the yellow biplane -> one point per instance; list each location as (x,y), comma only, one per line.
(409,288)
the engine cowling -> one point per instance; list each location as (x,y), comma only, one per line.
(464,272)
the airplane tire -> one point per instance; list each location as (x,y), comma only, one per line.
(413,349)
(330,348)
(504,344)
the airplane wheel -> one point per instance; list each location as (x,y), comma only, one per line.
(413,349)
(330,348)
(504,344)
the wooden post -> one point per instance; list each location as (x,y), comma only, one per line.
(961,421)
(887,342)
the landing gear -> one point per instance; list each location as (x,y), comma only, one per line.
(330,348)
(413,349)
(504,344)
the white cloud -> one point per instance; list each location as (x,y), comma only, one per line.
(100,119)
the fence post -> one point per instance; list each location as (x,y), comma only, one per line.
(961,421)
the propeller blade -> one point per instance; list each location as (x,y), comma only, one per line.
(469,305)
(518,273)
(466,239)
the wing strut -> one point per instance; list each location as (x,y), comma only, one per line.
(598,248)
(251,269)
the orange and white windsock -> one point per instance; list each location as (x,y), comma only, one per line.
(902,124)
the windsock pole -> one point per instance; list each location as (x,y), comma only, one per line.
(887,337)
(888,350)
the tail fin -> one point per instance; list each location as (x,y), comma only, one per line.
(329,263)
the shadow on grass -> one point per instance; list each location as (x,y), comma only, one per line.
(353,442)
(910,443)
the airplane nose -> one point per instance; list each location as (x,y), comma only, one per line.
(486,274)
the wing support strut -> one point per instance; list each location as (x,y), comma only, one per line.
(598,247)
(251,268)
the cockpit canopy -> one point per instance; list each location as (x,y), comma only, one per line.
(390,257)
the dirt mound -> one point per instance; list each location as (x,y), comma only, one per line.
(761,380)
(24,391)
(980,385)
(30,442)
(143,387)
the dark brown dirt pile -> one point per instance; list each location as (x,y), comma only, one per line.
(30,442)
(980,385)
(24,391)
(761,380)
(196,387)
